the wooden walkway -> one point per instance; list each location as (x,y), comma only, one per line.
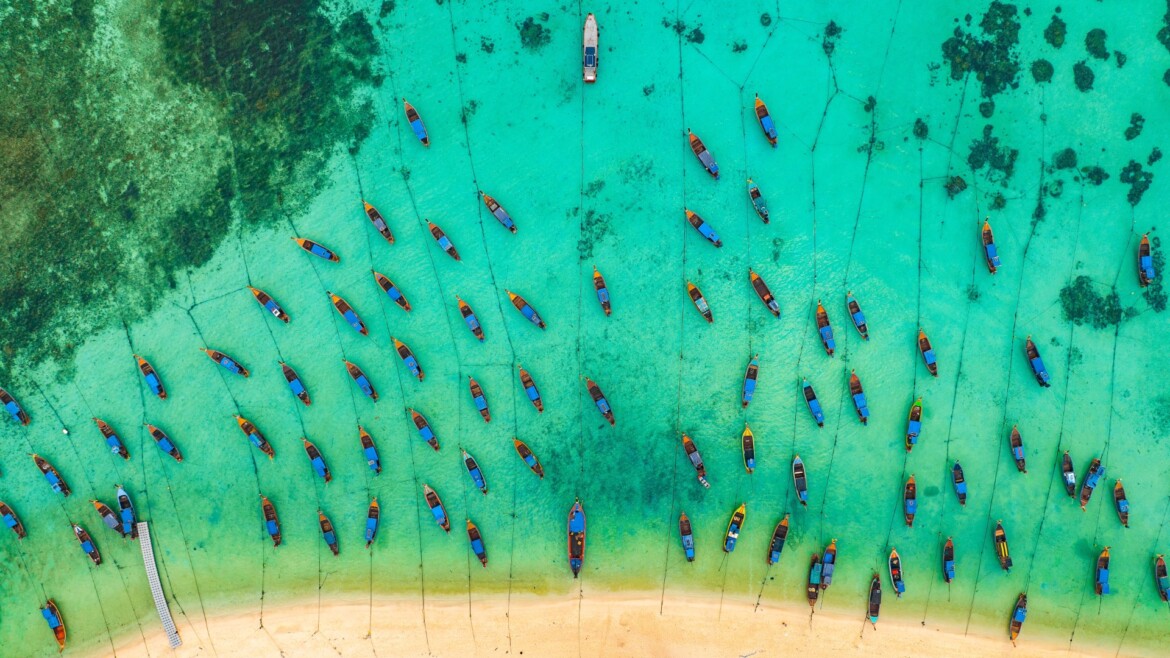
(160,599)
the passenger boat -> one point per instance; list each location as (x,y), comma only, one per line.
(814,406)
(317,249)
(764,293)
(1019,613)
(825,329)
(530,389)
(1017,443)
(228,363)
(53,616)
(948,560)
(12,520)
(348,313)
(54,478)
(815,575)
(269,304)
(1096,472)
(474,471)
(369,450)
(1161,581)
(525,309)
(359,378)
(378,221)
(599,400)
(372,517)
(1068,475)
(589,56)
(327,532)
(828,562)
(800,480)
(927,353)
(703,154)
(990,253)
(437,510)
(529,459)
(960,483)
(87,545)
(766,123)
(734,526)
(779,536)
(392,291)
(704,228)
(478,398)
(896,573)
(602,291)
(271,521)
(152,379)
(164,442)
(913,424)
(255,436)
(910,501)
(444,242)
(408,359)
(875,599)
(317,461)
(103,510)
(470,318)
(424,429)
(126,513)
(757,200)
(416,123)
(856,315)
(700,302)
(476,540)
(696,460)
(858,394)
(112,439)
(749,380)
(295,383)
(1121,503)
(1001,547)
(498,212)
(576,542)
(1146,272)
(688,538)
(748,444)
(1036,363)
(1101,575)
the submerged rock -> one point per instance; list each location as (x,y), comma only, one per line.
(1083,305)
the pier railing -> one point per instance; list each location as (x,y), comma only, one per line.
(156,591)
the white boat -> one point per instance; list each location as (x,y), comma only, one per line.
(589,42)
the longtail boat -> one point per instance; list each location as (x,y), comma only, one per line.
(829,563)
(1019,614)
(379,221)
(896,573)
(126,513)
(104,511)
(474,471)
(699,301)
(602,291)
(1121,503)
(498,212)
(705,157)
(476,540)
(530,389)
(927,353)
(779,535)
(327,532)
(478,398)
(599,400)
(860,404)
(1001,547)
(960,483)
(766,123)
(1036,363)
(688,538)
(815,576)
(1068,475)
(12,520)
(910,501)
(372,516)
(1096,472)
(53,616)
(576,542)
(51,475)
(825,329)
(764,293)
(271,520)
(424,429)
(1146,272)
(317,249)
(814,405)
(112,439)
(749,380)
(151,376)
(704,229)
(696,460)
(416,123)
(295,384)
(444,242)
(525,309)
(470,318)
(529,458)
(1101,574)
(316,460)
(990,253)
(800,480)
(747,442)
(589,50)
(436,506)
(757,200)
(359,378)
(255,436)
(87,545)
(408,359)
(164,442)
(856,315)
(734,526)
(1161,580)
(348,313)
(369,450)
(875,599)
(1017,444)
(269,304)
(948,560)
(913,424)
(228,363)
(392,291)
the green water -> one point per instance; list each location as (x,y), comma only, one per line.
(230,151)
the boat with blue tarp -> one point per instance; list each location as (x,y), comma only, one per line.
(228,363)
(776,545)
(1019,614)
(255,436)
(700,302)
(913,424)
(151,376)
(530,389)
(1036,363)
(408,359)
(1101,574)
(704,156)
(478,398)
(734,527)
(424,429)
(498,212)
(438,512)
(51,475)
(860,404)
(295,384)
(576,541)
(348,313)
(474,471)
(927,351)
(1121,503)
(749,380)
(696,460)
(704,229)
(602,291)
(1146,271)
(764,292)
(372,517)
(316,460)
(948,560)
(112,439)
(814,405)
(12,520)
(269,304)
(1092,478)
(856,315)
(815,574)
(525,309)
(688,537)
(757,199)
(766,123)
(959,482)
(87,545)
(53,617)
(800,480)
(416,123)
(476,540)
(896,579)
(444,242)
(378,221)
(1017,445)
(470,318)
(359,378)
(271,520)
(910,501)
(327,532)
(317,249)
(825,329)
(990,252)
(392,291)
(529,458)
(164,442)
(369,450)
(126,513)
(599,400)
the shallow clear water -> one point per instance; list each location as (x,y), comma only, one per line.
(601,175)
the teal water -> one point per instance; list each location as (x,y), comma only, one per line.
(874,123)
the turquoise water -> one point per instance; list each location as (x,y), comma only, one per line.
(872,129)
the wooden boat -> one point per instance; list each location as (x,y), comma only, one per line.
(530,389)
(359,378)
(54,478)
(228,363)
(474,471)
(1101,575)
(348,313)
(815,576)
(875,599)
(757,200)
(476,540)
(112,439)
(408,359)
(498,212)
(576,542)
(164,442)
(914,424)
(1019,613)
(255,436)
(856,315)
(734,526)
(696,460)
(1121,503)
(470,318)
(700,302)
(295,383)
(436,506)
(749,380)
(317,249)
(1001,547)
(529,458)
(599,400)
(53,616)
(525,309)
(910,501)
(12,520)
(478,398)
(800,480)
(269,304)
(444,242)
(1161,581)
(378,221)
(392,291)
(1146,272)
(814,405)
(779,536)
(1017,444)
(126,513)
(104,511)
(1096,472)
(372,517)
(369,450)
(927,353)
(990,253)
(828,564)
(151,376)
(858,394)
(766,123)
(327,532)
(704,229)
(825,329)
(416,123)
(688,538)
(764,293)
(1068,475)
(896,573)
(602,291)
(748,444)
(316,460)
(424,429)
(589,56)
(704,156)
(960,483)
(1036,363)
(271,520)
(948,560)
(87,545)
